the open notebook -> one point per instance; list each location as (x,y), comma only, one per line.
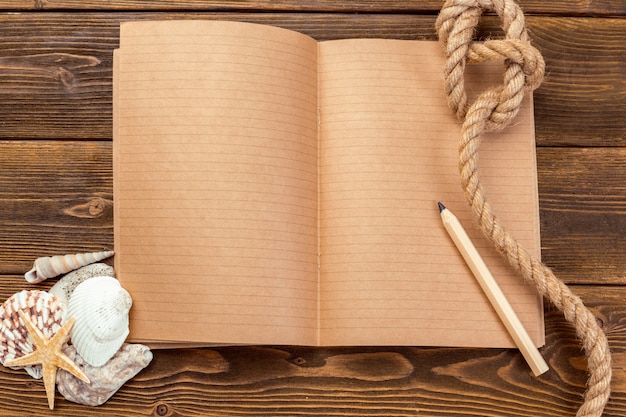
(272,189)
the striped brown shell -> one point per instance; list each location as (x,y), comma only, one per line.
(46,311)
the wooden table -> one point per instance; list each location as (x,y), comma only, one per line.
(56,197)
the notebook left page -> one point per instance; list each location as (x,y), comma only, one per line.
(215,181)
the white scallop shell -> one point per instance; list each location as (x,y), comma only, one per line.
(100,306)
(52,266)
(47,313)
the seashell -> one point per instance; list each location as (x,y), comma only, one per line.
(100,306)
(52,266)
(46,312)
(105,380)
(64,287)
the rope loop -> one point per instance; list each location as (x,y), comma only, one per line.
(493,109)
(525,67)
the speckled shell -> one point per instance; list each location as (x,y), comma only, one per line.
(66,285)
(100,306)
(53,266)
(46,312)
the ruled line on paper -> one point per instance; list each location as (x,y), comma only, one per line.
(388,145)
(386,158)
(254,153)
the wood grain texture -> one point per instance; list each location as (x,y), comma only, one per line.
(355,381)
(560,7)
(57,72)
(583,97)
(582,195)
(56,197)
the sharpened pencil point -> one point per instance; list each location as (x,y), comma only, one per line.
(441,207)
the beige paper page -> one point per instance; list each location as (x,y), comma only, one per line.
(216,182)
(388,151)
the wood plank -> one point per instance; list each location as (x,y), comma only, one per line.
(560,7)
(582,195)
(583,97)
(55,197)
(355,381)
(57,72)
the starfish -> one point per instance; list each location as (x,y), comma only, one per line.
(48,354)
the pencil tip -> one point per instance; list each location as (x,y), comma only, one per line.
(441,207)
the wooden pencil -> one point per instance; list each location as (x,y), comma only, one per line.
(495,295)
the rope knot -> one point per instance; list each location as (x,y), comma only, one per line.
(456,25)
(513,51)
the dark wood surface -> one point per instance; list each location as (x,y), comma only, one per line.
(56,197)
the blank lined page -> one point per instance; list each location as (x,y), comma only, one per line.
(216,182)
(390,275)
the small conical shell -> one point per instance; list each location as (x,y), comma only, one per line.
(52,266)
(46,312)
(100,306)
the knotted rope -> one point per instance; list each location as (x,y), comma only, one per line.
(493,110)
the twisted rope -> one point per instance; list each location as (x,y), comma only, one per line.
(493,110)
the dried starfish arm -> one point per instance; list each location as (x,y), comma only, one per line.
(48,353)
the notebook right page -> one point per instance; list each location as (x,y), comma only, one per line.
(390,274)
